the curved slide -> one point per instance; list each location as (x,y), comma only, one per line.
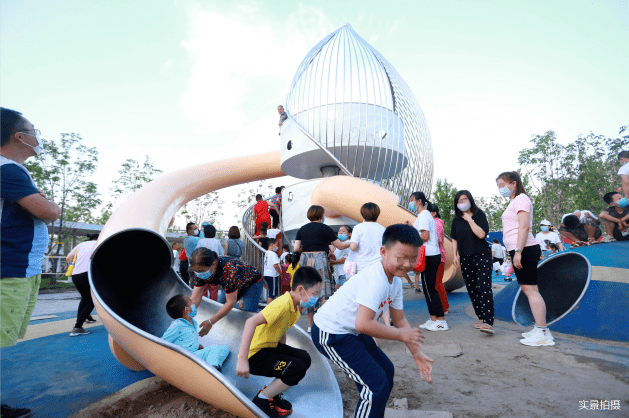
(131,280)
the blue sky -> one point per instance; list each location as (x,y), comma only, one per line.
(193,81)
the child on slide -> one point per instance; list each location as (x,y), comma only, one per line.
(344,327)
(263,350)
(183,331)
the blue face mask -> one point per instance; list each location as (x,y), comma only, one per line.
(204,276)
(323,220)
(505,192)
(544,228)
(194,311)
(412,207)
(201,234)
(310,303)
(623,203)
(342,237)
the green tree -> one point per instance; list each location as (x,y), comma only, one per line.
(133,176)
(206,208)
(443,197)
(247,196)
(61,173)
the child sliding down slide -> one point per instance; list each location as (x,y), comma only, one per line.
(344,327)
(263,350)
(183,331)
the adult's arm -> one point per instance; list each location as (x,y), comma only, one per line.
(523,231)
(229,304)
(342,245)
(242,367)
(297,246)
(455,251)
(353,246)
(70,255)
(424,235)
(479,229)
(40,207)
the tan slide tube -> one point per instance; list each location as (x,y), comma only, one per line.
(343,195)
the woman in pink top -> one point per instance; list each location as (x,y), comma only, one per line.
(517,224)
(83,253)
(434,211)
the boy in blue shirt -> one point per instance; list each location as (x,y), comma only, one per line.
(183,331)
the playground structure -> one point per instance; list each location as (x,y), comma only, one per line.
(375,148)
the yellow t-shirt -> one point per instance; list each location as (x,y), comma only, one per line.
(290,270)
(280,315)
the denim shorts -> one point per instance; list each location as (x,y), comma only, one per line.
(341,280)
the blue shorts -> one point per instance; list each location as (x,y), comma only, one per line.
(341,280)
(274,286)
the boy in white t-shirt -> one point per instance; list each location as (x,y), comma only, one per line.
(272,270)
(344,327)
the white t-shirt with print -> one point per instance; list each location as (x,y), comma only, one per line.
(270,259)
(425,222)
(624,170)
(370,288)
(551,236)
(338,268)
(272,233)
(368,236)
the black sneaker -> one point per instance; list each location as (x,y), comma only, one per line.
(7,412)
(417,290)
(90,320)
(282,406)
(266,405)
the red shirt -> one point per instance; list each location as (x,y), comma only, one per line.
(262,210)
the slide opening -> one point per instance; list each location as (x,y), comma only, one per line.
(562,281)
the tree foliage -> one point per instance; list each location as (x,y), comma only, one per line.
(443,197)
(247,196)
(61,172)
(206,208)
(562,179)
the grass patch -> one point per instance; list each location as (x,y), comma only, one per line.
(45,283)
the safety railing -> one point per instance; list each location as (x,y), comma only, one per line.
(253,253)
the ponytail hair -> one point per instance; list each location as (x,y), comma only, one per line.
(510,177)
(295,260)
(203,257)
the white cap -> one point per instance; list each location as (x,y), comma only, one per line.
(545,222)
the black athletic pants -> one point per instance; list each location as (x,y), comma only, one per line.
(183,271)
(288,363)
(87,304)
(276,218)
(428,284)
(476,271)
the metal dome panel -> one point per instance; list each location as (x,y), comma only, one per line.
(362,115)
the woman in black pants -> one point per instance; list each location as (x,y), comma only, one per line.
(427,228)
(472,255)
(83,253)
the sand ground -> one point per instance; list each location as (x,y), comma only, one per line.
(495,376)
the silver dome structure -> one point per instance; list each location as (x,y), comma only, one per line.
(350,110)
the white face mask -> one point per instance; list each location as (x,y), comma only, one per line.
(505,192)
(39,148)
(464,206)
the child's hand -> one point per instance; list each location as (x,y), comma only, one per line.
(423,365)
(413,336)
(205,328)
(242,368)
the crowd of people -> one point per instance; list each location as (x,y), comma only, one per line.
(346,281)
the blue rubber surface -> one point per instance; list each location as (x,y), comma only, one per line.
(59,375)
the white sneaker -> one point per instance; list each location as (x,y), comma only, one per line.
(532,332)
(538,339)
(425,324)
(437,326)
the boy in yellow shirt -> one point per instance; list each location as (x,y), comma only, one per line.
(263,350)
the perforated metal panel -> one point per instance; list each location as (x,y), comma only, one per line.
(351,100)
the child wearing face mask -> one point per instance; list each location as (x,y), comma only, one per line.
(183,331)
(263,350)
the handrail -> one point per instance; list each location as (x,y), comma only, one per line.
(253,253)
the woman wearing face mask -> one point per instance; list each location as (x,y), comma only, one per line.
(314,241)
(473,255)
(239,280)
(340,256)
(427,228)
(517,223)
